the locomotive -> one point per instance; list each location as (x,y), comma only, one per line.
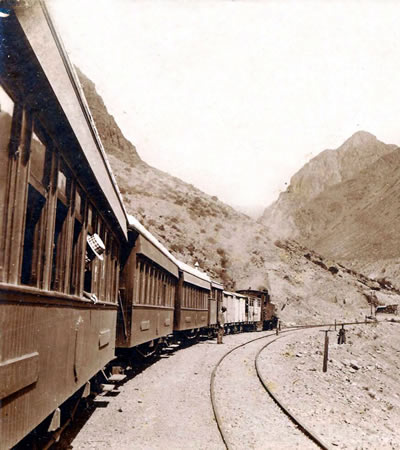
(80,279)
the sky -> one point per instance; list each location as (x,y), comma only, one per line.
(236,96)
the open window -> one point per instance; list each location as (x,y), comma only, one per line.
(91,221)
(35,222)
(77,243)
(60,238)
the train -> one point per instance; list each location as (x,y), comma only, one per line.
(81,281)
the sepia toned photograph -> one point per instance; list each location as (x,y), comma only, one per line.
(198,210)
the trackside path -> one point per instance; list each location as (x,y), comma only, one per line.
(167,406)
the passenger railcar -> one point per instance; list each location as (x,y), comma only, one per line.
(268,310)
(78,277)
(215,303)
(192,297)
(149,280)
(58,306)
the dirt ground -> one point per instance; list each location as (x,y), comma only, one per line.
(167,406)
(249,417)
(355,405)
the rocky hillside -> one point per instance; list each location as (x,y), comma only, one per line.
(343,205)
(229,245)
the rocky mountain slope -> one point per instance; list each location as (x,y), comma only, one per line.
(229,245)
(343,205)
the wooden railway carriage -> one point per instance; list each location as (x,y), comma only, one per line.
(235,315)
(148,287)
(268,310)
(215,303)
(56,189)
(191,306)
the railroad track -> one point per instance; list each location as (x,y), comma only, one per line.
(246,417)
(226,431)
(75,427)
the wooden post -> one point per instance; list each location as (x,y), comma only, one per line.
(325,365)
(326,348)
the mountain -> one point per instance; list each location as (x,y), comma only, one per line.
(230,246)
(344,204)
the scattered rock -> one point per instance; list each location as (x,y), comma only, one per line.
(354,364)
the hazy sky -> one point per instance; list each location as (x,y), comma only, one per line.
(235,96)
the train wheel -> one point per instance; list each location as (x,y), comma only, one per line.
(191,334)
(147,350)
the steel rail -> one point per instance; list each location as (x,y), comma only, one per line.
(308,432)
(212,388)
(300,425)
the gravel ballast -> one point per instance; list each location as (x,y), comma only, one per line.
(356,403)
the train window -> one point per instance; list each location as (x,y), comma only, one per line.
(38,162)
(94,267)
(77,244)
(115,284)
(79,205)
(103,272)
(58,266)
(35,222)
(6,112)
(111,269)
(146,274)
(77,259)
(151,284)
(160,289)
(143,282)
(168,292)
(108,268)
(32,238)
(138,280)
(60,242)
(90,219)
(62,185)
(156,283)
(146,283)
(164,294)
(156,286)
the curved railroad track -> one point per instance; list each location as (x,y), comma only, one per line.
(225,432)
(304,428)
(246,417)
